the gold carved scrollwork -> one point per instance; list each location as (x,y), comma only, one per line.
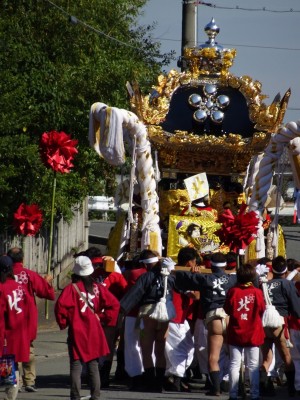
(205,152)
(155,108)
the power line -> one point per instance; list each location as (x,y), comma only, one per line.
(239,45)
(75,20)
(263,47)
(203,3)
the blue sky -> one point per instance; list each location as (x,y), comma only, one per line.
(267,43)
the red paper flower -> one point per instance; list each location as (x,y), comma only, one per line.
(58,150)
(238,231)
(28,220)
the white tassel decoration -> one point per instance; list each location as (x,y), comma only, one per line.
(271,317)
(164,310)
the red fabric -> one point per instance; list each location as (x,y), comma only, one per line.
(86,336)
(207,264)
(294,323)
(239,232)
(295,217)
(231,264)
(132,278)
(2,326)
(58,150)
(35,285)
(17,310)
(182,306)
(116,284)
(226,216)
(267,221)
(245,323)
(97,260)
(192,310)
(28,220)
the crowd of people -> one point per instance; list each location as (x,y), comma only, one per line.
(217,318)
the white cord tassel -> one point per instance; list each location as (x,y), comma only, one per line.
(271,317)
(164,310)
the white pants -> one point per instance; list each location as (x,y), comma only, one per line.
(200,338)
(179,349)
(252,357)
(132,349)
(295,353)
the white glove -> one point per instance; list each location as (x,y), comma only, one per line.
(168,263)
(262,269)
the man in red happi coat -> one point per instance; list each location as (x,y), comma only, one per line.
(15,308)
(38,286)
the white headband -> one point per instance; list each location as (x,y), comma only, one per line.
(279,273)
(149,260)
(218,264)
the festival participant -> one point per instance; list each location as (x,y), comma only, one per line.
(200,339)
(15,317)
(113,278)
(132,349)
(146,293)
(294,326)
(292,265)
(285,299)
(232,262)
(115,282)
(179,348)
(201,207)
(264,268)
(213,289)
(245,305)
(226,215)
(84,307)
(36,286)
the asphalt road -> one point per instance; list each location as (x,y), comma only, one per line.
(53,377)
(292,236)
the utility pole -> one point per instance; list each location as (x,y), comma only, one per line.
(189,27)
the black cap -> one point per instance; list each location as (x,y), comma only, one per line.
(5,262)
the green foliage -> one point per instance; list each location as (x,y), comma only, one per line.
(51,72)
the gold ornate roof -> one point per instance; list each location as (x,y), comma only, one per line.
(199,148)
